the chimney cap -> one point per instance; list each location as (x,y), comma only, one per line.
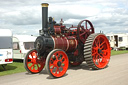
(44,4)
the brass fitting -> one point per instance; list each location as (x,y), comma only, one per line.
(44,4)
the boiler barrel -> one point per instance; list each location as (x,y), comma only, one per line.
(68,44)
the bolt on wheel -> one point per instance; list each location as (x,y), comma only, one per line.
(57,63)
(32,63)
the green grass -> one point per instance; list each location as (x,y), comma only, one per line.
(17,67)
(118,52)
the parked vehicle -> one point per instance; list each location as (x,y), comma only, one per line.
(21,45)
(118,40)
(5,47)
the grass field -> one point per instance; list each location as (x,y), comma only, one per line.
(118,52)
(17,66)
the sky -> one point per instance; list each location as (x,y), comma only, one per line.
(25,16)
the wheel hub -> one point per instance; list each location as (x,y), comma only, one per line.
(100,51)
(34,61)
(58,63)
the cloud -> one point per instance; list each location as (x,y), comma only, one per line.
(24,16)
(72,11)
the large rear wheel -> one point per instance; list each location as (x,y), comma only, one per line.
(97,51)
(57,63)
(33,63)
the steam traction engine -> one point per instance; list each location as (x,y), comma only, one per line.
(58,46)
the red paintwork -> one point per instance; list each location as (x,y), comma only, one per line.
(72,43)
(57,29)
(84,31)
(76,53)
(101,59)
(66,43)
(33,62)
(58,71)
(69,40)
(60,42)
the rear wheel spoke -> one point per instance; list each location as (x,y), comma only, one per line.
(96,43)
(94,53)
(102,43)
(101,47)
(104,51)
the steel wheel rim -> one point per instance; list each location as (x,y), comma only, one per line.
(58,64)
(101,51)
(34,64)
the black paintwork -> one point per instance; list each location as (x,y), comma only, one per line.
(44,44)
(45,19)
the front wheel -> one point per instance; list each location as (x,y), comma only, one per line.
(57,63)
(33,63)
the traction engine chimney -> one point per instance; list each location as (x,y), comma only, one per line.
(45,18)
